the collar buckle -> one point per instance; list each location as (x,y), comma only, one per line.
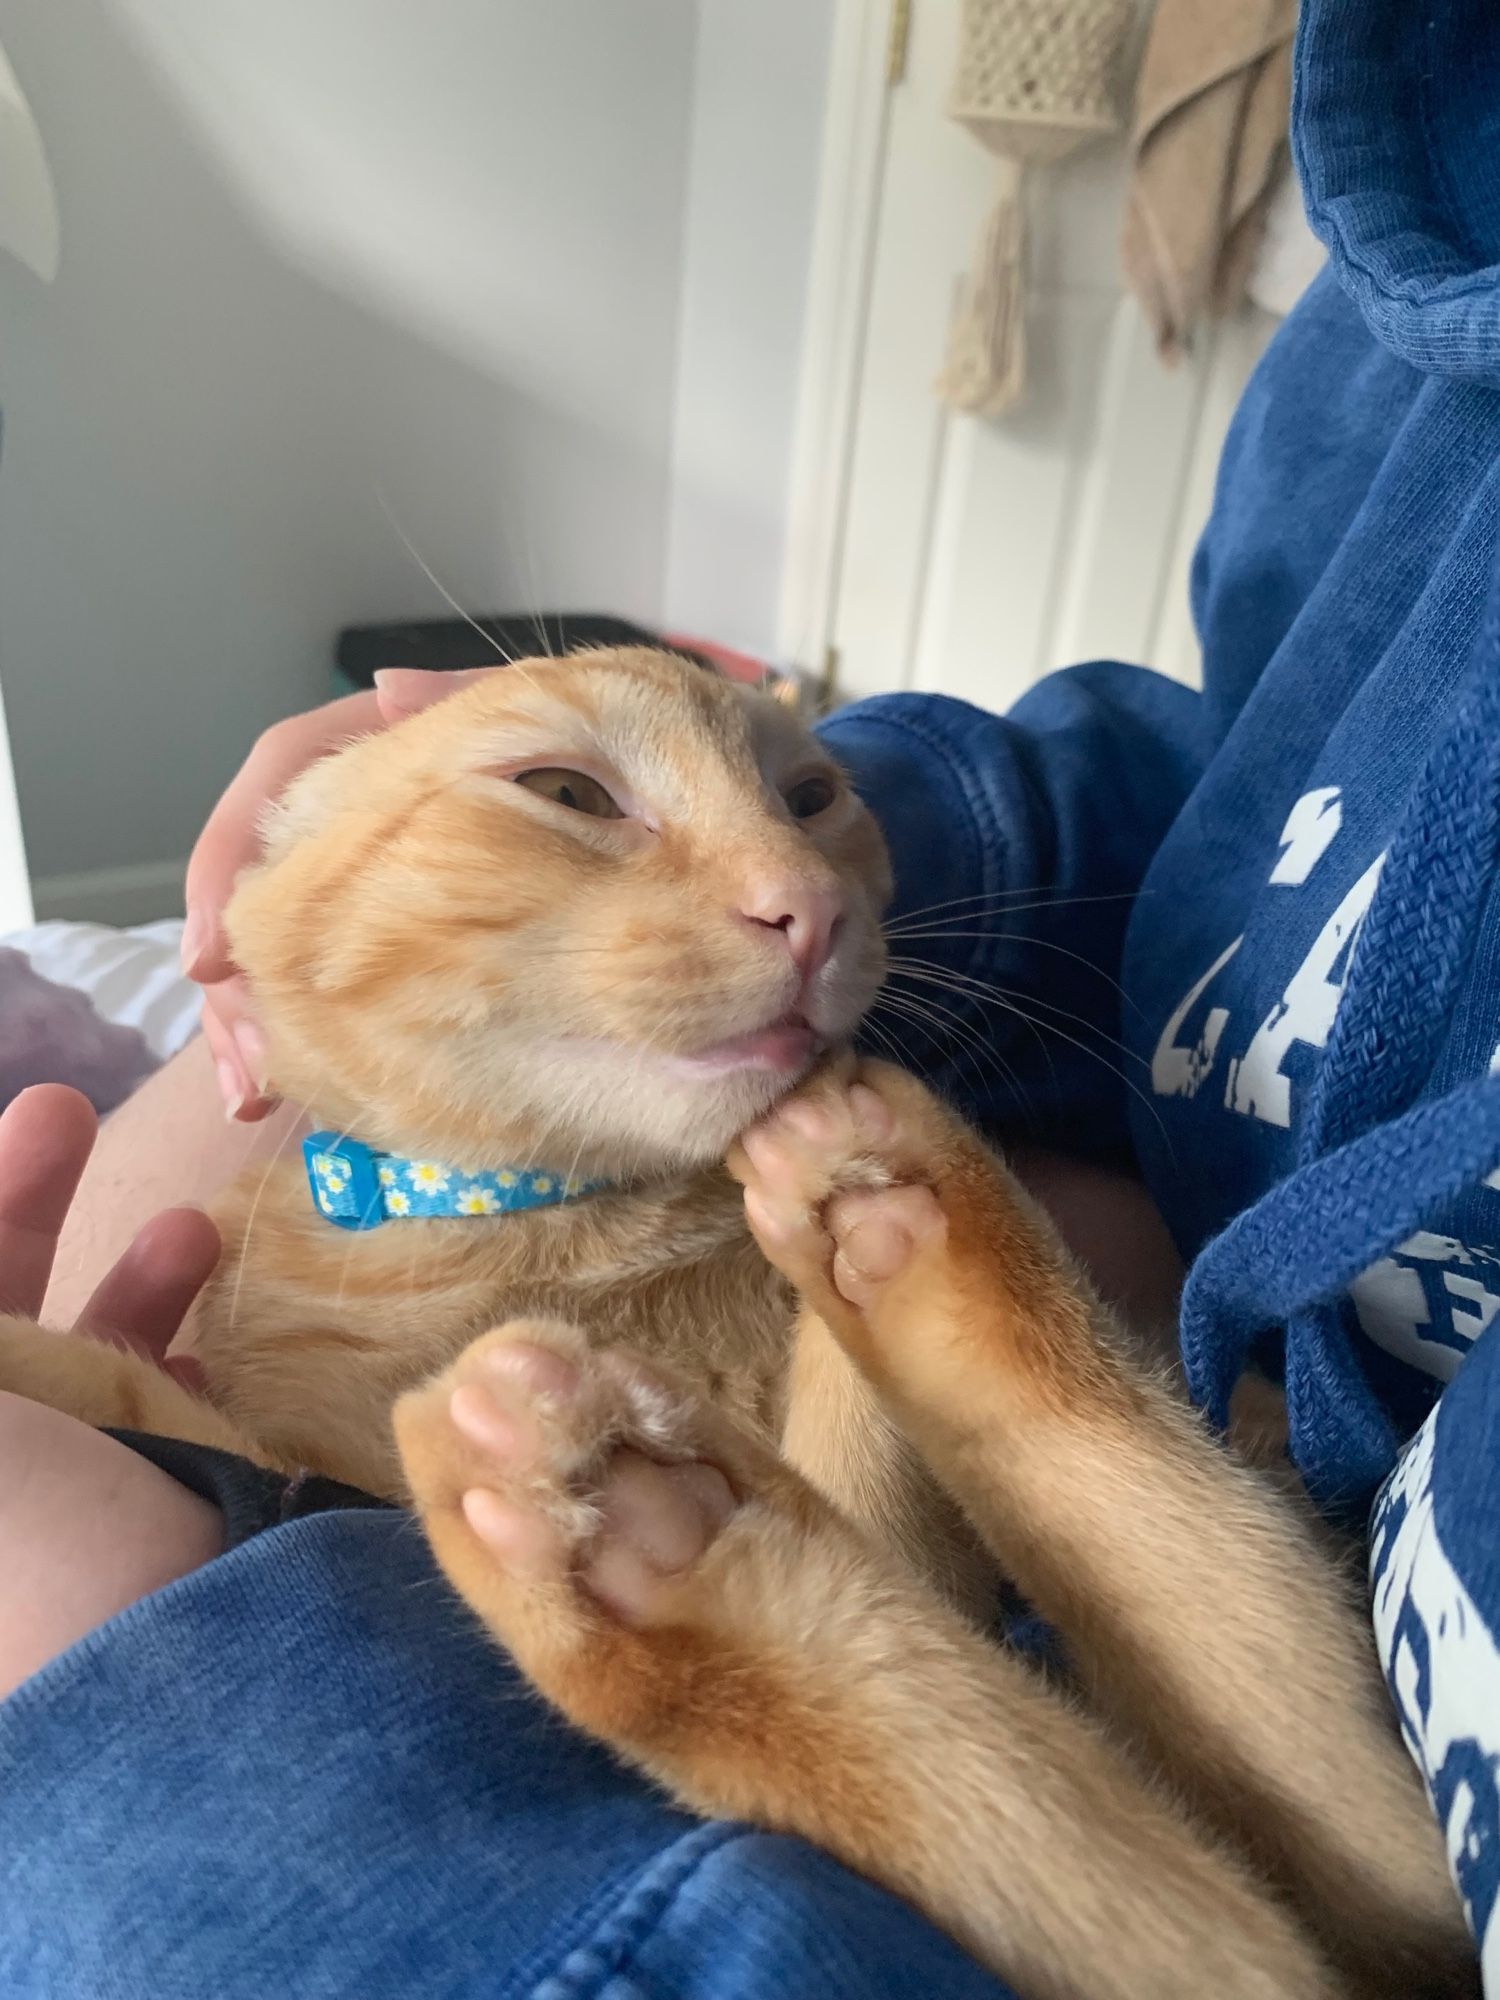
(345,1185)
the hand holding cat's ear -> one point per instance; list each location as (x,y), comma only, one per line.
(403,691)
(230,842)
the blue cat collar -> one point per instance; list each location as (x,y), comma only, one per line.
(354,1187)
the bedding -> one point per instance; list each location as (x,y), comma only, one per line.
(91,1006)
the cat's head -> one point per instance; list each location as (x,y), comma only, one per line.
(594,914)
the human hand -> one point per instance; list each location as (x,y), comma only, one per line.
(46,1136)
(231,841)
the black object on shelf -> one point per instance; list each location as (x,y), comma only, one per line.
(447,645)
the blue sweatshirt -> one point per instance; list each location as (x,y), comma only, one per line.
(1264,916)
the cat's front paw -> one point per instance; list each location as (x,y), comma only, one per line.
(581,1503)
(908,1237)
(840,1184)
(573,1468)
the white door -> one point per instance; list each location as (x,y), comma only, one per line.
(15,882)
(28,231)
(977,555)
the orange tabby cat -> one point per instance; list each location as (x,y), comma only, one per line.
(597,916)
(594,916)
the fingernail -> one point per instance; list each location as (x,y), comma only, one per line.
(405,688)
(231,1089)
(195,935)
(251,1044)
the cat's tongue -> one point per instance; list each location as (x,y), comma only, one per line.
(785,1047)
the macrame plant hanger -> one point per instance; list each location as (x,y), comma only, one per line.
(1035,79)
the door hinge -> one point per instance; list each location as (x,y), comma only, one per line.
(896,43)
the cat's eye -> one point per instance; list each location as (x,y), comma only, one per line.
(811,797)
(573,789)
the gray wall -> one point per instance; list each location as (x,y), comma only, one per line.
(759,90)
(313,252)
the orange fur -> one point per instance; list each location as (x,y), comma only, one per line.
(449,966)
(799,1678)
(452,967)
(1214,1634)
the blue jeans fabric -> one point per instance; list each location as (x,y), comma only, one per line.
(304,1771)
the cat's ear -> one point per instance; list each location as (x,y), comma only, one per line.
(787,689)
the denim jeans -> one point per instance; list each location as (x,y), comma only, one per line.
(304,1771)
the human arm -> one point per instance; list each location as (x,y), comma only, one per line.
(86,1526)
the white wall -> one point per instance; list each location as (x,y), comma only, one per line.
(759,88)
(313,251)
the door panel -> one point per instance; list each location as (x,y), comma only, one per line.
(980,554)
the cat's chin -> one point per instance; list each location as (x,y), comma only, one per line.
(652,1111)
(697,1109)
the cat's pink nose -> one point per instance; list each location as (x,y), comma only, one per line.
(807,915)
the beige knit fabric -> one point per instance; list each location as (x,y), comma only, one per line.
(1035,78)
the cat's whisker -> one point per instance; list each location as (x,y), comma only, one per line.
(949,1026)
(985,1053)
(1142,1096)
(1023,938)
(974,899)
(447,595)
(1004,900)
(889,1045)
(908,969)
(984,995)
(968,1063)
(533,571)
(882,1036)
(264,1182)
(416,1249)
(572,1172)
(986,992)
(1011,1004)
(539,626)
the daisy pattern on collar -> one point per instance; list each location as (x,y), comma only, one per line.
(355,1187)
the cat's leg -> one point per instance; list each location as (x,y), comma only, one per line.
(109,1387)
(1202,1611)
(680,1593)
(840,1436)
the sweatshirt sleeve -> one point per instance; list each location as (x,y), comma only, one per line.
(1018,844)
